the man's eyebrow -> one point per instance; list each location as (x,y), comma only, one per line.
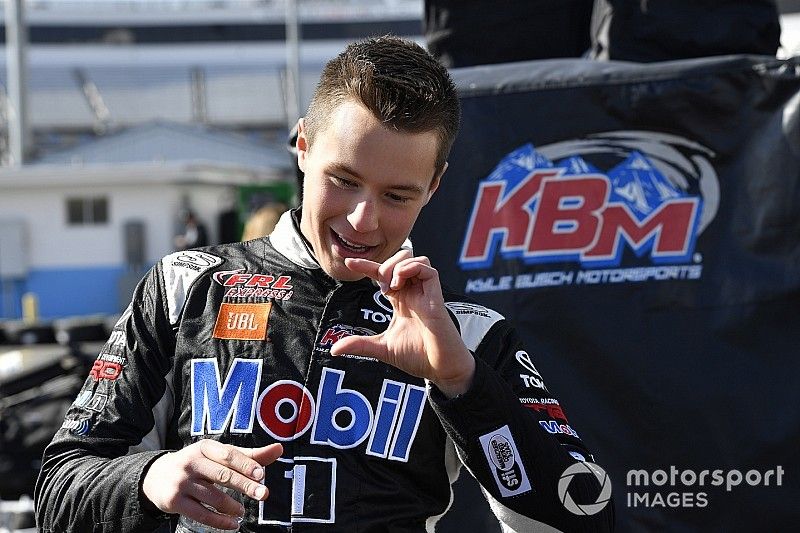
(414,189)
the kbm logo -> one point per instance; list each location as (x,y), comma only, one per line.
(584,468)
(553,204)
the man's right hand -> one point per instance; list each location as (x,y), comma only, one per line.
(179,482)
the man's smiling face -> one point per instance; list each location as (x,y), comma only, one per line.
(364,187)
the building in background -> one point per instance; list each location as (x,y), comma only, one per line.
(92,218)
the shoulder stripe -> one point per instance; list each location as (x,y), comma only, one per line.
(452,465)
(156,438)
(474,321)
(513,521)
(180,271)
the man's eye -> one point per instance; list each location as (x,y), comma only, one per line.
(343,182)
(397,198)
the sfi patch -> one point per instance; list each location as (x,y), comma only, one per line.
(505,462)
(247,322)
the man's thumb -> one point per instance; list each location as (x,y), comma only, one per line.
(267,454)
(359,345)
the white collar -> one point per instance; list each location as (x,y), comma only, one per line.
(288,240)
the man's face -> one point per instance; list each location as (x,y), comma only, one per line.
(364,187)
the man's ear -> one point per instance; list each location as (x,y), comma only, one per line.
(302,144)
(437,180)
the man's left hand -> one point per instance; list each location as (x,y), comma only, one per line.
(421,338)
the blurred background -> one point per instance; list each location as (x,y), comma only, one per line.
(133,128)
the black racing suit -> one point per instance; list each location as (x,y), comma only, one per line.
(233,343)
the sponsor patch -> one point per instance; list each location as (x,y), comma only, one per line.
(463,308)
(543,401)
(553,411)
(109,370)
(181,270)
(474,321)
(340,331)
(98,402)
(534,379)
(553,427)
(240,284)
(117,340)
(113,358)
(505,462)
(78,427)
(83,399)
(242,321)
(379,317)
(376,316)
(336,416)
(92,401)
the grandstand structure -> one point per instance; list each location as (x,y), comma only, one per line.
(95,66)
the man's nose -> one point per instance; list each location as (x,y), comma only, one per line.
(364,216)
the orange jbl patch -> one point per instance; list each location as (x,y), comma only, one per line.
(246,322)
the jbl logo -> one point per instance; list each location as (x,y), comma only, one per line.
(242,321)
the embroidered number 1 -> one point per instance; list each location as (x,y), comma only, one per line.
(287,492)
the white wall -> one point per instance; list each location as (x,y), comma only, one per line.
(52,243)
(157,206)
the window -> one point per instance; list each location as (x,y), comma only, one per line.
(93,210)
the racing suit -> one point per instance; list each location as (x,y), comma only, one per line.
(232,343)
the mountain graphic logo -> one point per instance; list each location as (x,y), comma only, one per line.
(640,185)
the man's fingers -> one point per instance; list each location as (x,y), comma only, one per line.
(380,272)
(227,477)
(360,345)
(387,267)
(266,455)
(232,457)
(414,267)
(192,472)
(194,510)
(363,266)
(205,492)
(240,469)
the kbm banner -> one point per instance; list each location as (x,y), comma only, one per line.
(639,224)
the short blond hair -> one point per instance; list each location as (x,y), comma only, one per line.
(262,222)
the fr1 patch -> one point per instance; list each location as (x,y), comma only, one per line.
(505,462)
(247,322)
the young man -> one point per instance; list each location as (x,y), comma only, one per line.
(321,372)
